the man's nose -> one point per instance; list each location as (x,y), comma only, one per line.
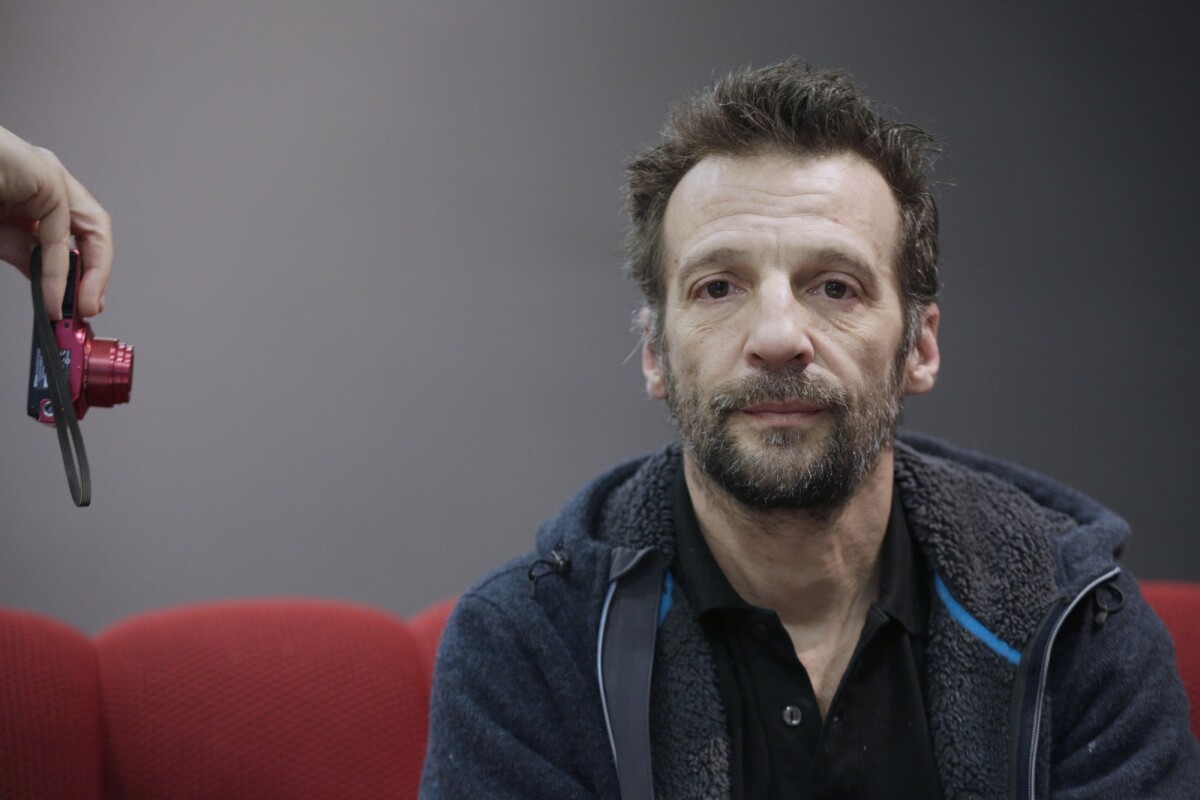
(779,331)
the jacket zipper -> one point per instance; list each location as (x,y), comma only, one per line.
(1043,666)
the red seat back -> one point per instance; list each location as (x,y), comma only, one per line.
(1178,605)
(427,628)
(272,698)
(49,710)
(257,699)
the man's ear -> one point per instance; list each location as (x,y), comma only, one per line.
(921,366)
(656,380)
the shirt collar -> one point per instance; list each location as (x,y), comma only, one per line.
(903,590)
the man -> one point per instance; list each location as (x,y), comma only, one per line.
(794,602)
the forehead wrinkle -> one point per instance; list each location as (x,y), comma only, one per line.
(705,209)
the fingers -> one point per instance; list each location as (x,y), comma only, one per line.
(42,203)
(53,208)
(92,228)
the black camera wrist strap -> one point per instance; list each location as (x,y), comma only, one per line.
(78,478)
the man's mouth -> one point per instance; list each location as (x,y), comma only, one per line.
(790,412)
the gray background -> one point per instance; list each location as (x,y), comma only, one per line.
(368,254)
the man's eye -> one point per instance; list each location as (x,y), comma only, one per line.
(836,290)
(716,290)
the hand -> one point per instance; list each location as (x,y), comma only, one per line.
(42,203)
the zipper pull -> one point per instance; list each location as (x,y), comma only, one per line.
(1107,605)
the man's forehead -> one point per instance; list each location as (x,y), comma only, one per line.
(777,191)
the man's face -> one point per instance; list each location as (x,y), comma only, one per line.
(781,357)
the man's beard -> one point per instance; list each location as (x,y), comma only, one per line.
(816,469)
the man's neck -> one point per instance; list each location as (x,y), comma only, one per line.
(813,570)
(818,572)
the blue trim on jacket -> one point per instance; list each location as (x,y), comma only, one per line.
(974,626)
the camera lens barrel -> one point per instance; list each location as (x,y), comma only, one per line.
(109,373)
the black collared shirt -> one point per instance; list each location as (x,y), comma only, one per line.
(874,742)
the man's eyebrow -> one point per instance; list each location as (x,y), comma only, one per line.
(835,257)
(709,258)
(845,259)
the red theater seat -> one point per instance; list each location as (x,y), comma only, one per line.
(50,724)
(1178,605)
(257,699)
(292,699)
(277,698)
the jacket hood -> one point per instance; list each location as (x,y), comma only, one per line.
(1090,537)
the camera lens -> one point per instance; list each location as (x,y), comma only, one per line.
(109,373)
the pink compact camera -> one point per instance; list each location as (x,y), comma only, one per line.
(99,371)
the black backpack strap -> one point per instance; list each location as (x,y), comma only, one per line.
(625,661)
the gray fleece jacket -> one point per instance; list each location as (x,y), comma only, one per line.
(1049,676)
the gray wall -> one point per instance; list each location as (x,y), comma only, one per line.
(368,254)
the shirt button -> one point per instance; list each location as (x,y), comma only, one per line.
(792,716)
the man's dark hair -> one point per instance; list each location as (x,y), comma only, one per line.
(790,108)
